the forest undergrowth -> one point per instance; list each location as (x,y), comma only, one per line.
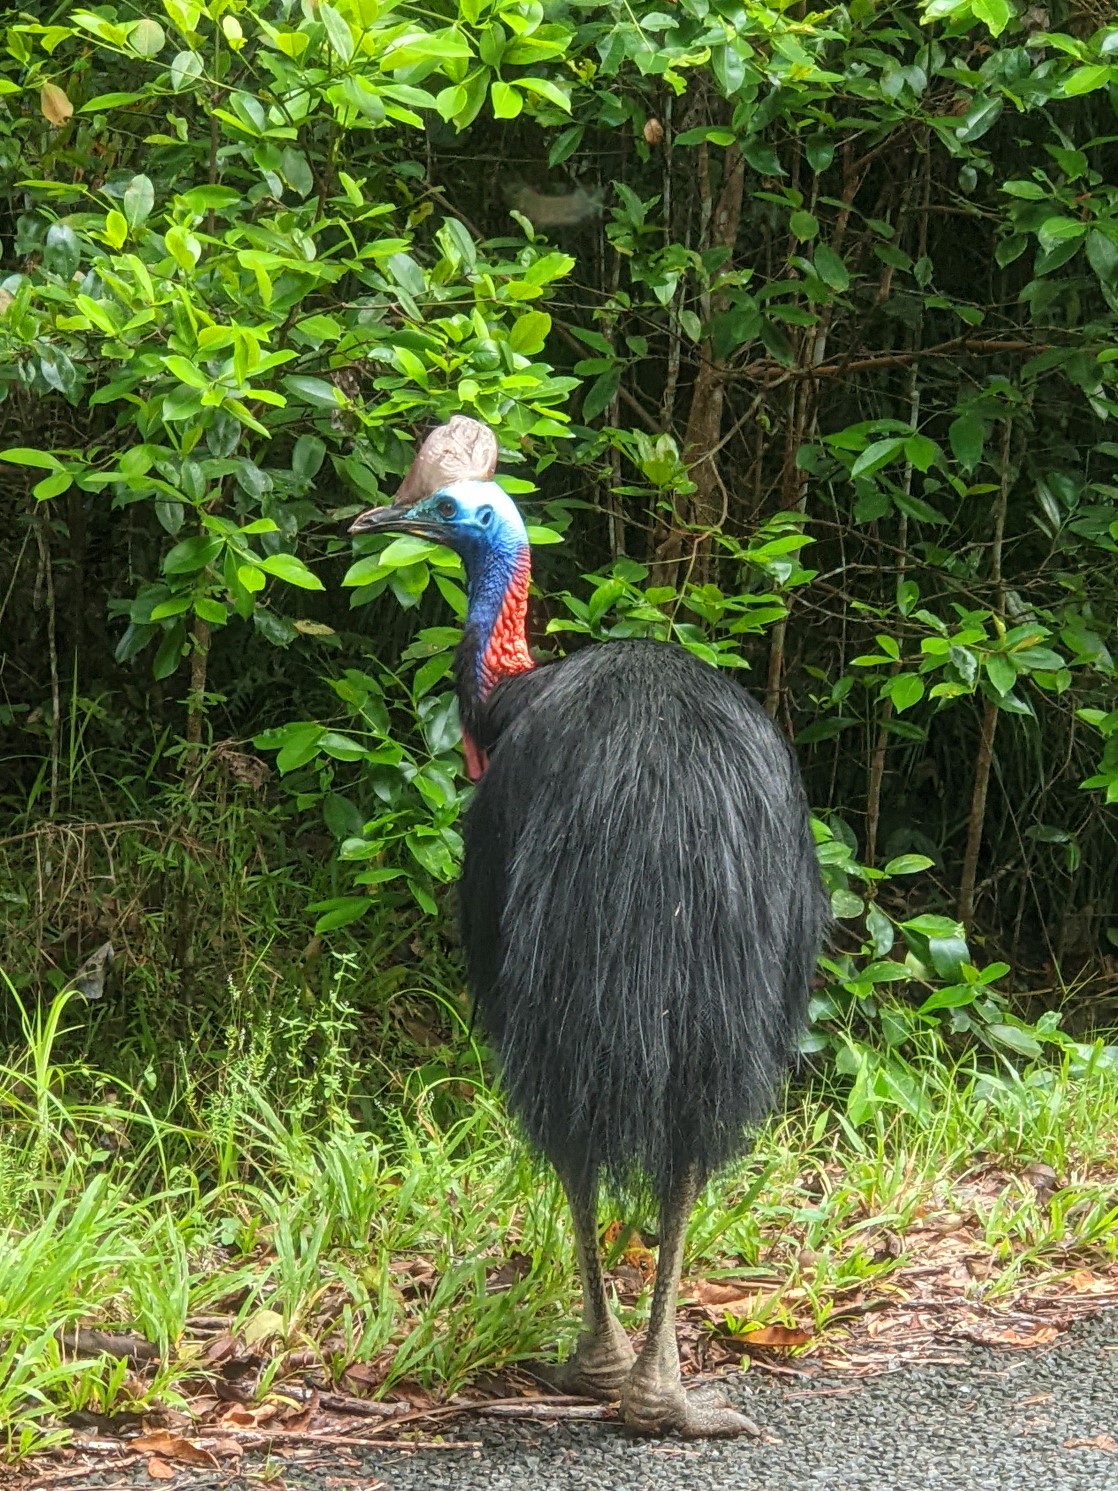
(796,325)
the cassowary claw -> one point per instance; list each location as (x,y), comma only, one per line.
(649,1405)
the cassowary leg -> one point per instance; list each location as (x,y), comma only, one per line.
(603,1357)
(654,1401)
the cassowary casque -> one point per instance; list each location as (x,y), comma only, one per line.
(641,909)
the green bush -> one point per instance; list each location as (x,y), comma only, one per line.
(799,322)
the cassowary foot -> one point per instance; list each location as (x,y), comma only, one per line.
(599,1366)
(653,1405)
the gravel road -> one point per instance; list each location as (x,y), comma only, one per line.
(1042,1420)
(1003,1421)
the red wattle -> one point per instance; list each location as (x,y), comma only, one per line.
(507,649)
(476,761)
(506,652)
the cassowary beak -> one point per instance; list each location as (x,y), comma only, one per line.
(392,519)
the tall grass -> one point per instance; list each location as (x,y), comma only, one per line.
(381,1243)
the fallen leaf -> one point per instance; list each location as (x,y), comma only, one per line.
(716,1292)
(162,1445)
(241,1416)
(943,1222)
(220,1349)
(1083,1281)
(508,1273)
(779,1337)
(159,1470)
(366,1374)
(1105,1442)
(54,104)
(297,1417)
(262,1327)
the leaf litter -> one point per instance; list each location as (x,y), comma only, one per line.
(930,1292)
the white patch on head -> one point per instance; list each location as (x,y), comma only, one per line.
(472,496)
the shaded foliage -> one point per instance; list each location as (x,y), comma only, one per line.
(799,323)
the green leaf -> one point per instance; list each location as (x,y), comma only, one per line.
(185,69)
(905,690)
(53,485)
(763,158)
(22,455)
(337,29)
(314,391)
(804,225)
(186,371)
(600,393)
(530,332)
(147,38)
(954,997)
(345,909)
(1087,79)
(845,904)
(62,253)
(192,555)
(1056,230)
(294,571)
(1030,191)
(996,13)
(139,199)
(507,103)
(908,864)
(116,229)
(307,457)
(1015,1039)
(546,89)
(831,269)
(1001,672)
(979,118)
(879,454)
(922,452)
(1102,255)
(965,437)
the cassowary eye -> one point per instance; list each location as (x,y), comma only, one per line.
(446,509)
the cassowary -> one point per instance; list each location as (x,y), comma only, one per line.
(641,909)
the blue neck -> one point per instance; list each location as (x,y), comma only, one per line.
(493,641)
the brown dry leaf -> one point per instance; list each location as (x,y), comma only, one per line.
(1105,1442)
(1083,1281)
(220,1349)
(653,131)
(1043,1179)
(366,1374)
(297,1417)
(241,1416)
(510,1272)
(719,1294)
(778,1337)
(161,1444)
(943,1222)
(54,104)
(159,1470)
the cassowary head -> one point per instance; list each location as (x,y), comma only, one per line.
(449,497)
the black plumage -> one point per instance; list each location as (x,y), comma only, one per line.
(640,909)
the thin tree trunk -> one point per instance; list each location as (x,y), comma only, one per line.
(976,819)
(703,508)
(196,702)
